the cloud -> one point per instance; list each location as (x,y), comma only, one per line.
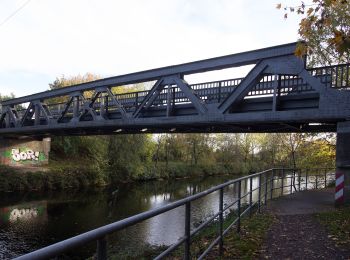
(108,37)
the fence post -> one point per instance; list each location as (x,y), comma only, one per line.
(325,178)
(271,184)
(250,196)
(188,231)
(266,181)
(282,184)
(316,182)
(299,178)
(102,249)
(306,177)
(239,207)
(291,182)
(259,199)
(221,219)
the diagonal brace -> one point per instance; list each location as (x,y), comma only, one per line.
(186,89)
(244,87)
(150,97)
(116,102)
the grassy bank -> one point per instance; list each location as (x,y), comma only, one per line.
(64,176)
(337,223)
(71,174)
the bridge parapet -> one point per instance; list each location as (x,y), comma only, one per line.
(278,94)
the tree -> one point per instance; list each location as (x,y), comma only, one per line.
(324,31)
(128,155)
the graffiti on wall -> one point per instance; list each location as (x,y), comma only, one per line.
(18,155)
(24,155)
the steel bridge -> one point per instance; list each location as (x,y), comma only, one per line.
(279,94)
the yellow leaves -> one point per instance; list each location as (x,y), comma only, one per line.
(301,50)
(309,11)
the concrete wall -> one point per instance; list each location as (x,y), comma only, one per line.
(24,152)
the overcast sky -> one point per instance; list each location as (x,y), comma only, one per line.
(50,38)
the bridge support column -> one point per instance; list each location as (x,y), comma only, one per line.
(342,195)
(24,152)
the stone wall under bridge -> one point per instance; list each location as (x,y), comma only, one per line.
(24,152)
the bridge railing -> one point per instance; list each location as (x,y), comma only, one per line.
(339,75)
(252,193)
(216,91)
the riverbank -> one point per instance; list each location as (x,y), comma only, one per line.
(62,175)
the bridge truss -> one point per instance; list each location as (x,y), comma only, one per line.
(279,94)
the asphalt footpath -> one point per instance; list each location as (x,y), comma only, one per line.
(296,234)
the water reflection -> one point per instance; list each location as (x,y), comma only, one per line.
(31,221)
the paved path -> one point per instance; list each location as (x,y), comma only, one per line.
(296,234)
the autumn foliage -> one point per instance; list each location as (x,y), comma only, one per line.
(324,30)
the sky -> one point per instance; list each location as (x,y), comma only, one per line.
(47,39)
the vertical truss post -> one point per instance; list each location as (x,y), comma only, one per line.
(276,88)
(36,113)
(76,107)
(169,106)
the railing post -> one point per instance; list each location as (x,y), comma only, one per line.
(299,178)
(316,182)
(102,249)
(221,219)
(306,177)
(219,99)
(188,231)
(282,184)
(239,207)
(325,178)
(137,99)
(259,199)
(291,182)
(271,184)
(266,181)
(250,196)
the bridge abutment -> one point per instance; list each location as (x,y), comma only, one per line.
(24,152)
(342,195)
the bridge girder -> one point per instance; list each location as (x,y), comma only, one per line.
(278,95)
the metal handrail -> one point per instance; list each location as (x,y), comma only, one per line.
(99,234)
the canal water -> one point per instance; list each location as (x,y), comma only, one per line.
(30,221)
